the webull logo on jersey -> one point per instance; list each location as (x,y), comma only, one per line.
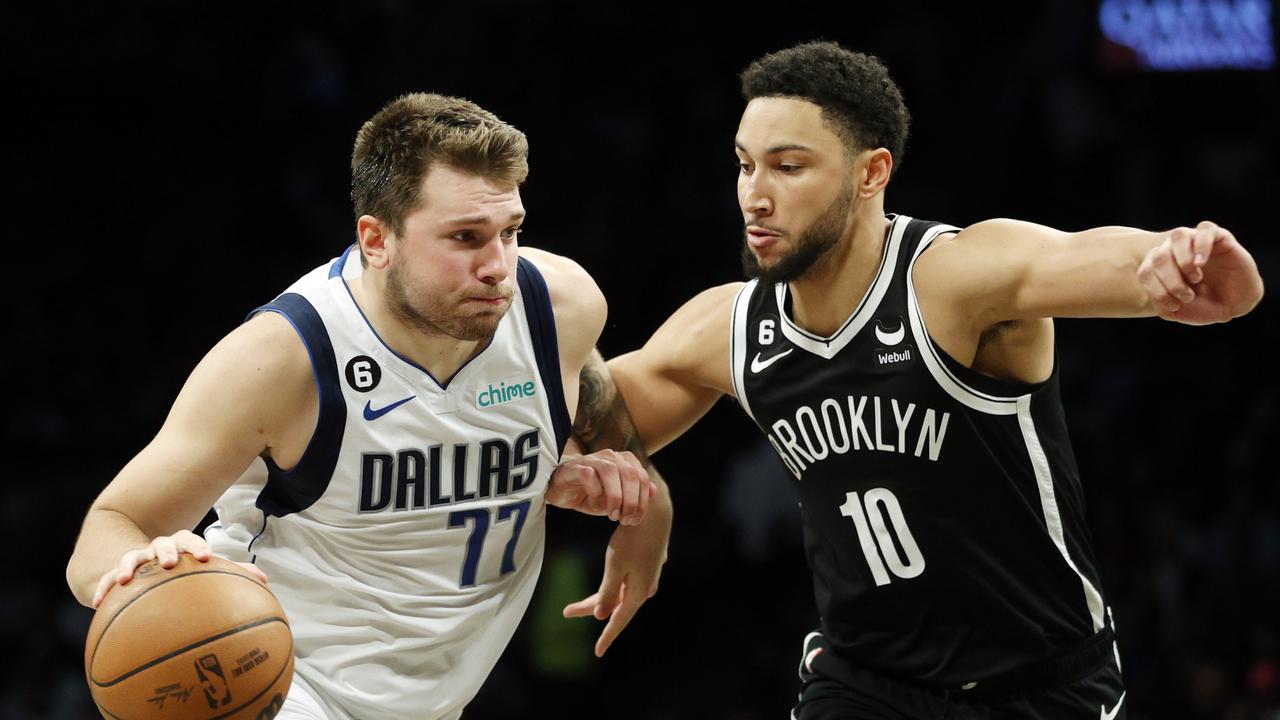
(841,425)
(504,393)
(891,332)
(413,478)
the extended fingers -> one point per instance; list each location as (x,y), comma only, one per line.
(625,610)
(583,607)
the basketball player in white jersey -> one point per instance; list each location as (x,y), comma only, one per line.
(905,373)
(382,439)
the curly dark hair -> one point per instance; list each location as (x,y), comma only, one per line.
(858,98)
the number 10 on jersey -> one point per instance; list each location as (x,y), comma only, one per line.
(876,539)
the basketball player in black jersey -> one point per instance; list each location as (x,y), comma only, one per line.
(904,371)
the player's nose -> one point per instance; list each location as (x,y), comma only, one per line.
(754,198)
(493,266)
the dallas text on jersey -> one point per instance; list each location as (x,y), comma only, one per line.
(416,477)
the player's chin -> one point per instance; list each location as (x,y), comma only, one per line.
(479,326)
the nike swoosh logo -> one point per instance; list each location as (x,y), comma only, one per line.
(892,338)
(757,364)
(371,414)
(1104,715)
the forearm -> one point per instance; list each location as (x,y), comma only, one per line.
(1095,274)
(104,538)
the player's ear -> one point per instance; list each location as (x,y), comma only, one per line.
(373,235)
(872,171)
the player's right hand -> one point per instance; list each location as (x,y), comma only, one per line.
(164,549)
(1200,275)
(606,482)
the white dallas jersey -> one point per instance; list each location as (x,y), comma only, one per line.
(405,544)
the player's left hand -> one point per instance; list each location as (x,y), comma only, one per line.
(632,565)
(1200,275)
(607,482)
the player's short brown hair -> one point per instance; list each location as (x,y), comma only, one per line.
(859,100)
(397,146)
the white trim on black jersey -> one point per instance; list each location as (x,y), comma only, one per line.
(829,347)
(1049,504)
(999,405)
(954,386)
(738,344)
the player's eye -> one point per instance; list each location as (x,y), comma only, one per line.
(744,167)
(510,233)
(464,236)
(788,167)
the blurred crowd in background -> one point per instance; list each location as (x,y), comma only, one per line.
(176,165)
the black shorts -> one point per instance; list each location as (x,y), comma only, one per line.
(835,689)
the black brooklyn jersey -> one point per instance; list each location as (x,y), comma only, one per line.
(943,513)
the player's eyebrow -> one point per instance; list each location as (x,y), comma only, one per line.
(777,148)
(483,219)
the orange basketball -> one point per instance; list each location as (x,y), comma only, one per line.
(202,641)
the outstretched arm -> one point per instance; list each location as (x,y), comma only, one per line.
(669,383)
(1007,270)
(634,559)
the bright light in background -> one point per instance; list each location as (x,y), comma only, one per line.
(1188,34)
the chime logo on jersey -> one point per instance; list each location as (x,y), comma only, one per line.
(504,393)
(857,422)
(417,478)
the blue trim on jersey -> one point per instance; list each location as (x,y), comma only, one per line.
(546,349)
(335,269)
(297,489)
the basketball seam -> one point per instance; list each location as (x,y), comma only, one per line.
(105,628)
(192,646)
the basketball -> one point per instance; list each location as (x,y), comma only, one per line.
(200,641)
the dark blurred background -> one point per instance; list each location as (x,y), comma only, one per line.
(175,165)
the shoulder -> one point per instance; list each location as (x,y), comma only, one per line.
(575,296)
(579,306)
(264,359)
(711,307)
(696,336)
(976,243)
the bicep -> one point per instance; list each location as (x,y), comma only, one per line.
(663,401)
(1004,270)
(229,412)
(675,378)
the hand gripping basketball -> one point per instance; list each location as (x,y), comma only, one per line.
(203,640)
(164,549)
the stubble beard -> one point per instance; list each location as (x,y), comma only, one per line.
(429,315)
(812,247)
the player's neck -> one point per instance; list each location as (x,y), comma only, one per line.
(439,354)
(826,296)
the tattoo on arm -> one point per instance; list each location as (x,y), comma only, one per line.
(602,420)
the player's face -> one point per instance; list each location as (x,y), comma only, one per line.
(452,272)
(794,188)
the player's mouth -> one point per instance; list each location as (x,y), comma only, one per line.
(760,238)
(492,302)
